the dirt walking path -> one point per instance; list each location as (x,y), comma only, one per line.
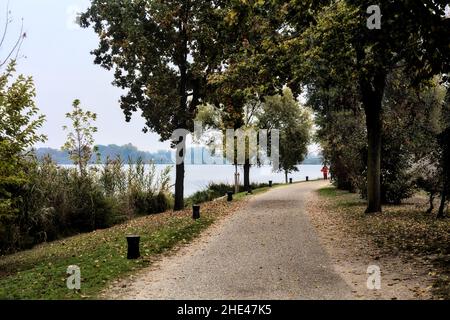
(266,250)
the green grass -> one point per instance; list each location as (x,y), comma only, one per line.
(403,228)
(242,195)
(328,192)
(40,273)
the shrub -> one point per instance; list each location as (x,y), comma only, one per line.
(217,190)
(55,202)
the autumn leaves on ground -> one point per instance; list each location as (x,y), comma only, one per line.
(40,273)
(410,246)
(374,98)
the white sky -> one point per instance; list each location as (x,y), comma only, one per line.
(58,57)
(56,53)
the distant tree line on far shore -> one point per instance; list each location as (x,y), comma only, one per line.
(129,151)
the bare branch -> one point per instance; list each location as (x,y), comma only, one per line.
(5,31)
(17,45)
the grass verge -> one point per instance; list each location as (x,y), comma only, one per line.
(405,229)
(40,273)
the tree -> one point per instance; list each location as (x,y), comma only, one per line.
(414,34)
(19,124)
(410,125)
(162,53)
(252,67)
(335,129)
(80,140)
(284,113)
(222,118)
(444,144)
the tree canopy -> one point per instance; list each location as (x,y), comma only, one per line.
(162,53)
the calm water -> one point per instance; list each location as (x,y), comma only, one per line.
(197,177)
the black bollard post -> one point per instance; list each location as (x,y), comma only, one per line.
(230,196)
(290,180)
(307,178)
(133,247)
(196,212)
(270,183)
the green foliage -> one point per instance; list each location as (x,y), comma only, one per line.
(146,192)
(328,48)
(336,129)
(41,201)
(59,202)
(280,112)
(410,120)
(148,44)
(217,190)
(162,53)
(284,113)
(80,139)
(19,123)
(20,117)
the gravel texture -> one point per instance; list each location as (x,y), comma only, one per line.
(266,250)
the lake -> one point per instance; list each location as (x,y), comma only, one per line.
(197,177)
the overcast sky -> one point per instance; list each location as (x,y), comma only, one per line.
(58,57)
(56,53)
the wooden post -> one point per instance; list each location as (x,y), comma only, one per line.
(133,247)
(196,212)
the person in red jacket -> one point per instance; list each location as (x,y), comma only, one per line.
(325,172)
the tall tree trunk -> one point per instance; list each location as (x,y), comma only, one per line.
(236,179)
(181,117)
(372,96)
(431,201)
(286,175)
(441,214)
(444,141)
(374,161)
(179,187)
(247,175)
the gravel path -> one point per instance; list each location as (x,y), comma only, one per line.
(267,250)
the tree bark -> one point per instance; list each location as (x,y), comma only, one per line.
(247,175)
(445,145)
(372,96)
(374,161)
(181,117)
(441,214)
(286,175)
(431,200)
(179,187)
